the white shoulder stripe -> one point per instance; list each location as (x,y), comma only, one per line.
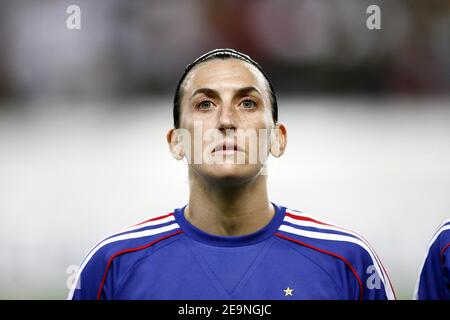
(441,229)
(327,226)
(323,224)
(330,226)
(337,237)
(133,235)
(135,227)
(311,224)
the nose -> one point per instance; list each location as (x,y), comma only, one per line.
(226,119)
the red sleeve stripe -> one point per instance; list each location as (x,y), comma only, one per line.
(154,219)
(443,251)
(352,269)
(294,216)
(130,250)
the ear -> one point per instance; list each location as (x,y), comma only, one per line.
(278,140)
(175,144)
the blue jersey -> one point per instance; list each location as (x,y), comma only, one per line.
(293,257)
(434,277)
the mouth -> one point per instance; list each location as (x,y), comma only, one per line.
(227,147)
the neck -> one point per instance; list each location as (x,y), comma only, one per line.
(228,210)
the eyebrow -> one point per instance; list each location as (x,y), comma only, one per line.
(214,93)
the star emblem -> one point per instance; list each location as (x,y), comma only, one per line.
(288,292)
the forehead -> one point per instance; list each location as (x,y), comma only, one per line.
(220,73)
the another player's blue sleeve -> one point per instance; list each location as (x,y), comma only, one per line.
(434,281)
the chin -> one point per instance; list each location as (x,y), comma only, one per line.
(230,174)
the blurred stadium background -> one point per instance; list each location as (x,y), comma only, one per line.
(83,117)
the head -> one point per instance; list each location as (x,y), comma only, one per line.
(226,118)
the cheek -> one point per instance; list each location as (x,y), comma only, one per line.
(265,123)
(189,119)
(268,118)
(265,118)
(257,120)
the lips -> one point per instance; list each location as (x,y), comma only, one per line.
(227,146)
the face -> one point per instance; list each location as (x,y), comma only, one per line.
(227,120)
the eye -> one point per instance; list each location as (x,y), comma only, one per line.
(248,104)
(205,105)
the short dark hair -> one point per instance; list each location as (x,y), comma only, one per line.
(220,54)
